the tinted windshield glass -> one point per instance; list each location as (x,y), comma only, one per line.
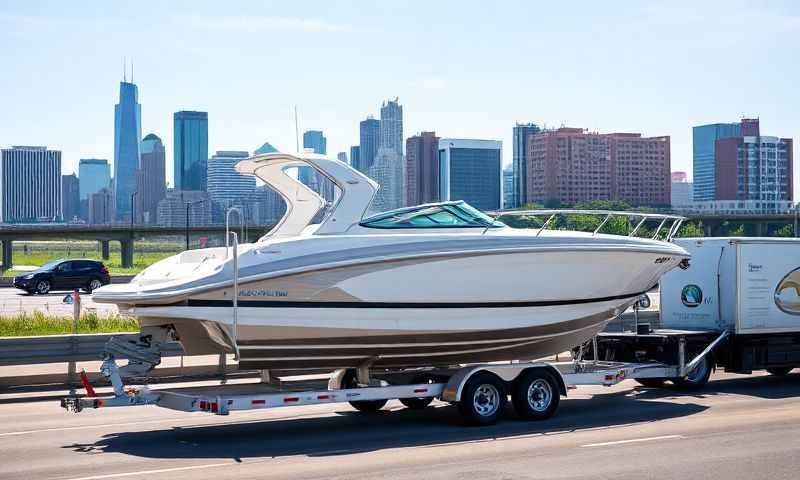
(446,215)
(50,265)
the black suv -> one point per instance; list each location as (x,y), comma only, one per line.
(64,275)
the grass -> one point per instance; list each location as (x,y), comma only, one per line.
(39,253)
(37,323)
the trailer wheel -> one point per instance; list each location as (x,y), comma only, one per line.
(367,406)
(416,403)
(651,382)
(535,395)
(779,370)
(697,378)
(482,399)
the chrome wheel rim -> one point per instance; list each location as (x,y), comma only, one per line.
(486,400)
(540,394)
(43,287)
(95,284)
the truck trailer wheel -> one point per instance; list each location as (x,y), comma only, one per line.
(482,399)
(416,403)
(697,378)
(535,395)
(367,406)
(779,370)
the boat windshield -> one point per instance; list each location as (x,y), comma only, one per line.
(441,215)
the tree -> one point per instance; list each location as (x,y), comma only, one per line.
(785,231)
(691,230)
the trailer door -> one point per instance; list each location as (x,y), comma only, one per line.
(768,287)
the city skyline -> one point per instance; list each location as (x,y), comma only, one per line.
(676,69)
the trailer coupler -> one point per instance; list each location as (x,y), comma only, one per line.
(122,397)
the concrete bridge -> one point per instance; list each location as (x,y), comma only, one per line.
(125,234)
(759,225)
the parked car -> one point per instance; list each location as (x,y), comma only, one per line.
(87,275)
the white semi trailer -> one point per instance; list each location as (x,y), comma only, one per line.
(740,294)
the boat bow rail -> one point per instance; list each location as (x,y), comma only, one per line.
(667,222)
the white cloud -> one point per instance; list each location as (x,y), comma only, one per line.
(264,24)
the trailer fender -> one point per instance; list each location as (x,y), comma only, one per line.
(506,372)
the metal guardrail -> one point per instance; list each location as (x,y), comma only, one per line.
(64,348)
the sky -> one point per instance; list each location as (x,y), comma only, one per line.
(464,69)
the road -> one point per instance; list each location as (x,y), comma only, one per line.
(739,427)
(13,301)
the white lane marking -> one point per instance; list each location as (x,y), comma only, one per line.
(81,427)
(633,440)
(150,472)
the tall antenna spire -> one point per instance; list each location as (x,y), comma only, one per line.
(124,69)
(131,70)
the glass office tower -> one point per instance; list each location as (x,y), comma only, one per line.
(190,149)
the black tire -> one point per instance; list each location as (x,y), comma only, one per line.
(43,287)
(93,284)
(651,382)
(483,398)
(367,406)
(697,378)
(780,371)
(416,403)
(535,395)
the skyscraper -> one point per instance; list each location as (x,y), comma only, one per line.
(100,208)
(422,169)
(226,186)
(387,171)
(94,174)
(680,191)
(508,187)
(127,133)
(342,157)
(30,185)
(391,126)
(704,138)
(190,150)
(315,140)
(70,197)
(152,180)
(173,208)
(369,139)
(355,157)
(470,170)
(266,148)
(522,132)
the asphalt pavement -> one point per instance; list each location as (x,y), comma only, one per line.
(13,301)
(737,427)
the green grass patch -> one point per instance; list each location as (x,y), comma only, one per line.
(39,323)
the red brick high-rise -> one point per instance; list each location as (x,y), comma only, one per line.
(572,165)
(422,168)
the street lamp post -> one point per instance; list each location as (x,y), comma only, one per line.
(133,208)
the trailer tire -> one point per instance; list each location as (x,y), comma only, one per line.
(651,382)
(366,406)
(780,371)
(416,403)
(535,395)
(697,378)
(483,398)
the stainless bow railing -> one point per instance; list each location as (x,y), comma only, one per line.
(674,221)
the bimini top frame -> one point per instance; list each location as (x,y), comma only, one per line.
(356,191)
(672,222)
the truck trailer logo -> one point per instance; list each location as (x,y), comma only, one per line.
(691,296)
(787,293)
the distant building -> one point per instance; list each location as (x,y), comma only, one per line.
(70,197)
(422,169)
(30,185)
(94,174)
(226,186)
(391,126)
(387,171)
(470,170)
(315,140)
(519,189)
(266,148)
(101,207)
(571,165)
(754,170)
(680,191)
(151,181)
(369,139)
(266,207)
(355,157)
(508,187)
(342,157)
(190,148)
(127,132)
(704,138)
(172,209)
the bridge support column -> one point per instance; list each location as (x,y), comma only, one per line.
(760,229)
(7,250)
(126,252)
(104,250)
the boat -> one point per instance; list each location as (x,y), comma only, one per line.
(438,284)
